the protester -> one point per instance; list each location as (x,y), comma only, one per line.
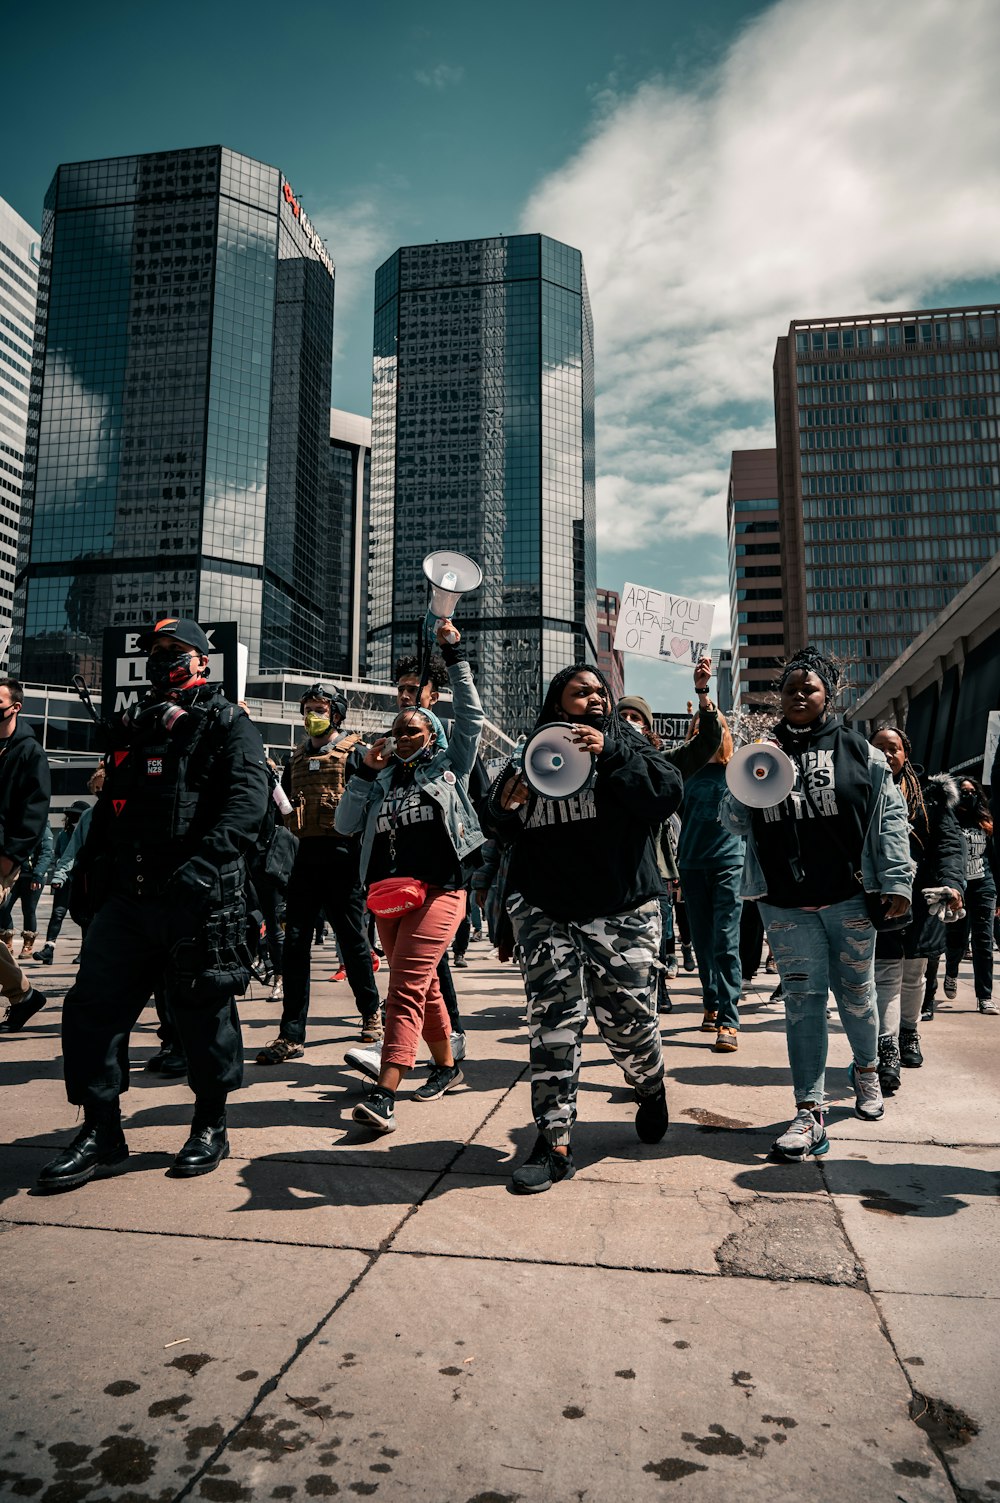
(62,874)
(976,822)
(25,787)
(412,808)
(843,817)
(27,889)
(938,855)
(583,891)
(60,889)
(711,865)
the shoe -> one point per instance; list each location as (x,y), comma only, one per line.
(458,1046)
(204,1150)
(377,1110)
(441,1079)
(28,938)
(927,1012)
(460,963)
(652,1119)
(709,1022)
(169,1061)
(477,936)
(542,1169)
(368,1061)
(967,956)
(804,1135)
(280,1049)
(671,967)
(372,1031)
(688,955)
(888,1064)
(745,985)
(98,1145)
(868,1103)
(46,955)
(277,992)
(727,1041)
(770,966)
(987,1005)
(18,1013)
(341,974)
(664,1001)
(778,994)
(951,987)
(77,958)
(909,1048)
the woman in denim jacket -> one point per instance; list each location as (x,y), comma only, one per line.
(844,815)
(417,822)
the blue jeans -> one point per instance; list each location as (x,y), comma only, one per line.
(832,950)
(712,896)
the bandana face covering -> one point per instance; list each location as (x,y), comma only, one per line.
(316,725)
(171,670)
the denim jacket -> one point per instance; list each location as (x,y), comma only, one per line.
(886,866)
(445,779)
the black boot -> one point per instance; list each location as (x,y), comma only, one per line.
(652,1118)
(207,1146)
(98,1145)
(909,1048)
(169,1061)
(18,1013)
(888,1064)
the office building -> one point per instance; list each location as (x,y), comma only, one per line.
(179,432)
(347,544)
(483,442)
(19,251)
(888,475)
(610,662)
(755,609)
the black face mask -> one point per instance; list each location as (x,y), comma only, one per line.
(170,670)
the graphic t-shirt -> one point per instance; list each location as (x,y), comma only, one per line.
(410,824)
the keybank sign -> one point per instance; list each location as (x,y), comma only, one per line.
(307,229)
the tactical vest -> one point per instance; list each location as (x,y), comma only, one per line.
(318,779)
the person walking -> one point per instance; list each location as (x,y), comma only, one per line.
(583,895)
(60,887)
(27,889)
(976,823)
(810,861)
(25,790)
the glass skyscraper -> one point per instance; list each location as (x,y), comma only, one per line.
(178,436)
(483,442)
(888,475)
(347,543)
(19,252)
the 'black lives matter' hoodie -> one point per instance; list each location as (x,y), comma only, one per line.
(584,857)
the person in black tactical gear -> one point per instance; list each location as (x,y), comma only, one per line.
(165,860)
(325,875)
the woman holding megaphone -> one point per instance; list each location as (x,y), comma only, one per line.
(812,857)
(582,893)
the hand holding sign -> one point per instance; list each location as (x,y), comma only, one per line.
(656,624)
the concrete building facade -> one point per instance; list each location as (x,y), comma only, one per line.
(755,590)
(19,255)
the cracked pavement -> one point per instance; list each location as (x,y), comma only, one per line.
(330,1315)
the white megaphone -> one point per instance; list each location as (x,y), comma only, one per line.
(760,775)
(555,765)
(451,575)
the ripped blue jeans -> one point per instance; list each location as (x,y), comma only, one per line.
(832,950)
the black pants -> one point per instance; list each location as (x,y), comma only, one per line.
(449,995)
(126,953)
(977,927)
(28,895)
(324,880)
(272,905)
(60,908)
(751,939)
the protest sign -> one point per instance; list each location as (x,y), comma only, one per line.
(657,624)
(123,681)
(992,741)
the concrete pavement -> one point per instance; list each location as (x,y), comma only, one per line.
(328,1315)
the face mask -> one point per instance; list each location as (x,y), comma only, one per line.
(316,725)
(969,799)
(10,710)
(170,670)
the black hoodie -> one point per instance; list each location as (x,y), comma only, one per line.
(25,788)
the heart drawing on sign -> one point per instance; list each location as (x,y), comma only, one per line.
(680,647)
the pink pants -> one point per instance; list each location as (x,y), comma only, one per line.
(414,943)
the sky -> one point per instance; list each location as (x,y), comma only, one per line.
(724,168)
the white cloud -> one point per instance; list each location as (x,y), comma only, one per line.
(359,235)
(843,158)
(441,77)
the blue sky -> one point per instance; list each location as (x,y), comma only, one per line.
(724,167)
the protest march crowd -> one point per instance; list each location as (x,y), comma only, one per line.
(201,863)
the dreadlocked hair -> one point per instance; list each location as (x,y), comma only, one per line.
(551,709)
(811,661)
(909,783)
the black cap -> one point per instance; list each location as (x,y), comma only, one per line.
(188,632)
(78,806)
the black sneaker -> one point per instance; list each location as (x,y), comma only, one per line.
(909,1048)
(18,1013)
(888,1064)
(98,1145)
(441,1079)
(46,955)
(652,1119)
(377,1110)
(687,955)
(168,1061)
(542,1169)
(927,1012)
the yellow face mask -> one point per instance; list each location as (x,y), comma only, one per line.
(316,725)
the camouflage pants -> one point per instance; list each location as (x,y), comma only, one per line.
(607,966)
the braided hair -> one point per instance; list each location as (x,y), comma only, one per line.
(811,661)
(552,706)
(909,783)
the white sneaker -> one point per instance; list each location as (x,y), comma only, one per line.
(868,1103)
(368,1061)
(277,991)
(805,1134)
(985,1004)
(457,1046)
(951,986)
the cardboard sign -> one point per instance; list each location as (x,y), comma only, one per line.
(656,624)
(992,742)
(124,665)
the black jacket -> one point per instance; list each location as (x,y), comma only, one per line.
(937,846)
(25,790)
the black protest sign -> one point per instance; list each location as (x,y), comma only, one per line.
(124,679)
